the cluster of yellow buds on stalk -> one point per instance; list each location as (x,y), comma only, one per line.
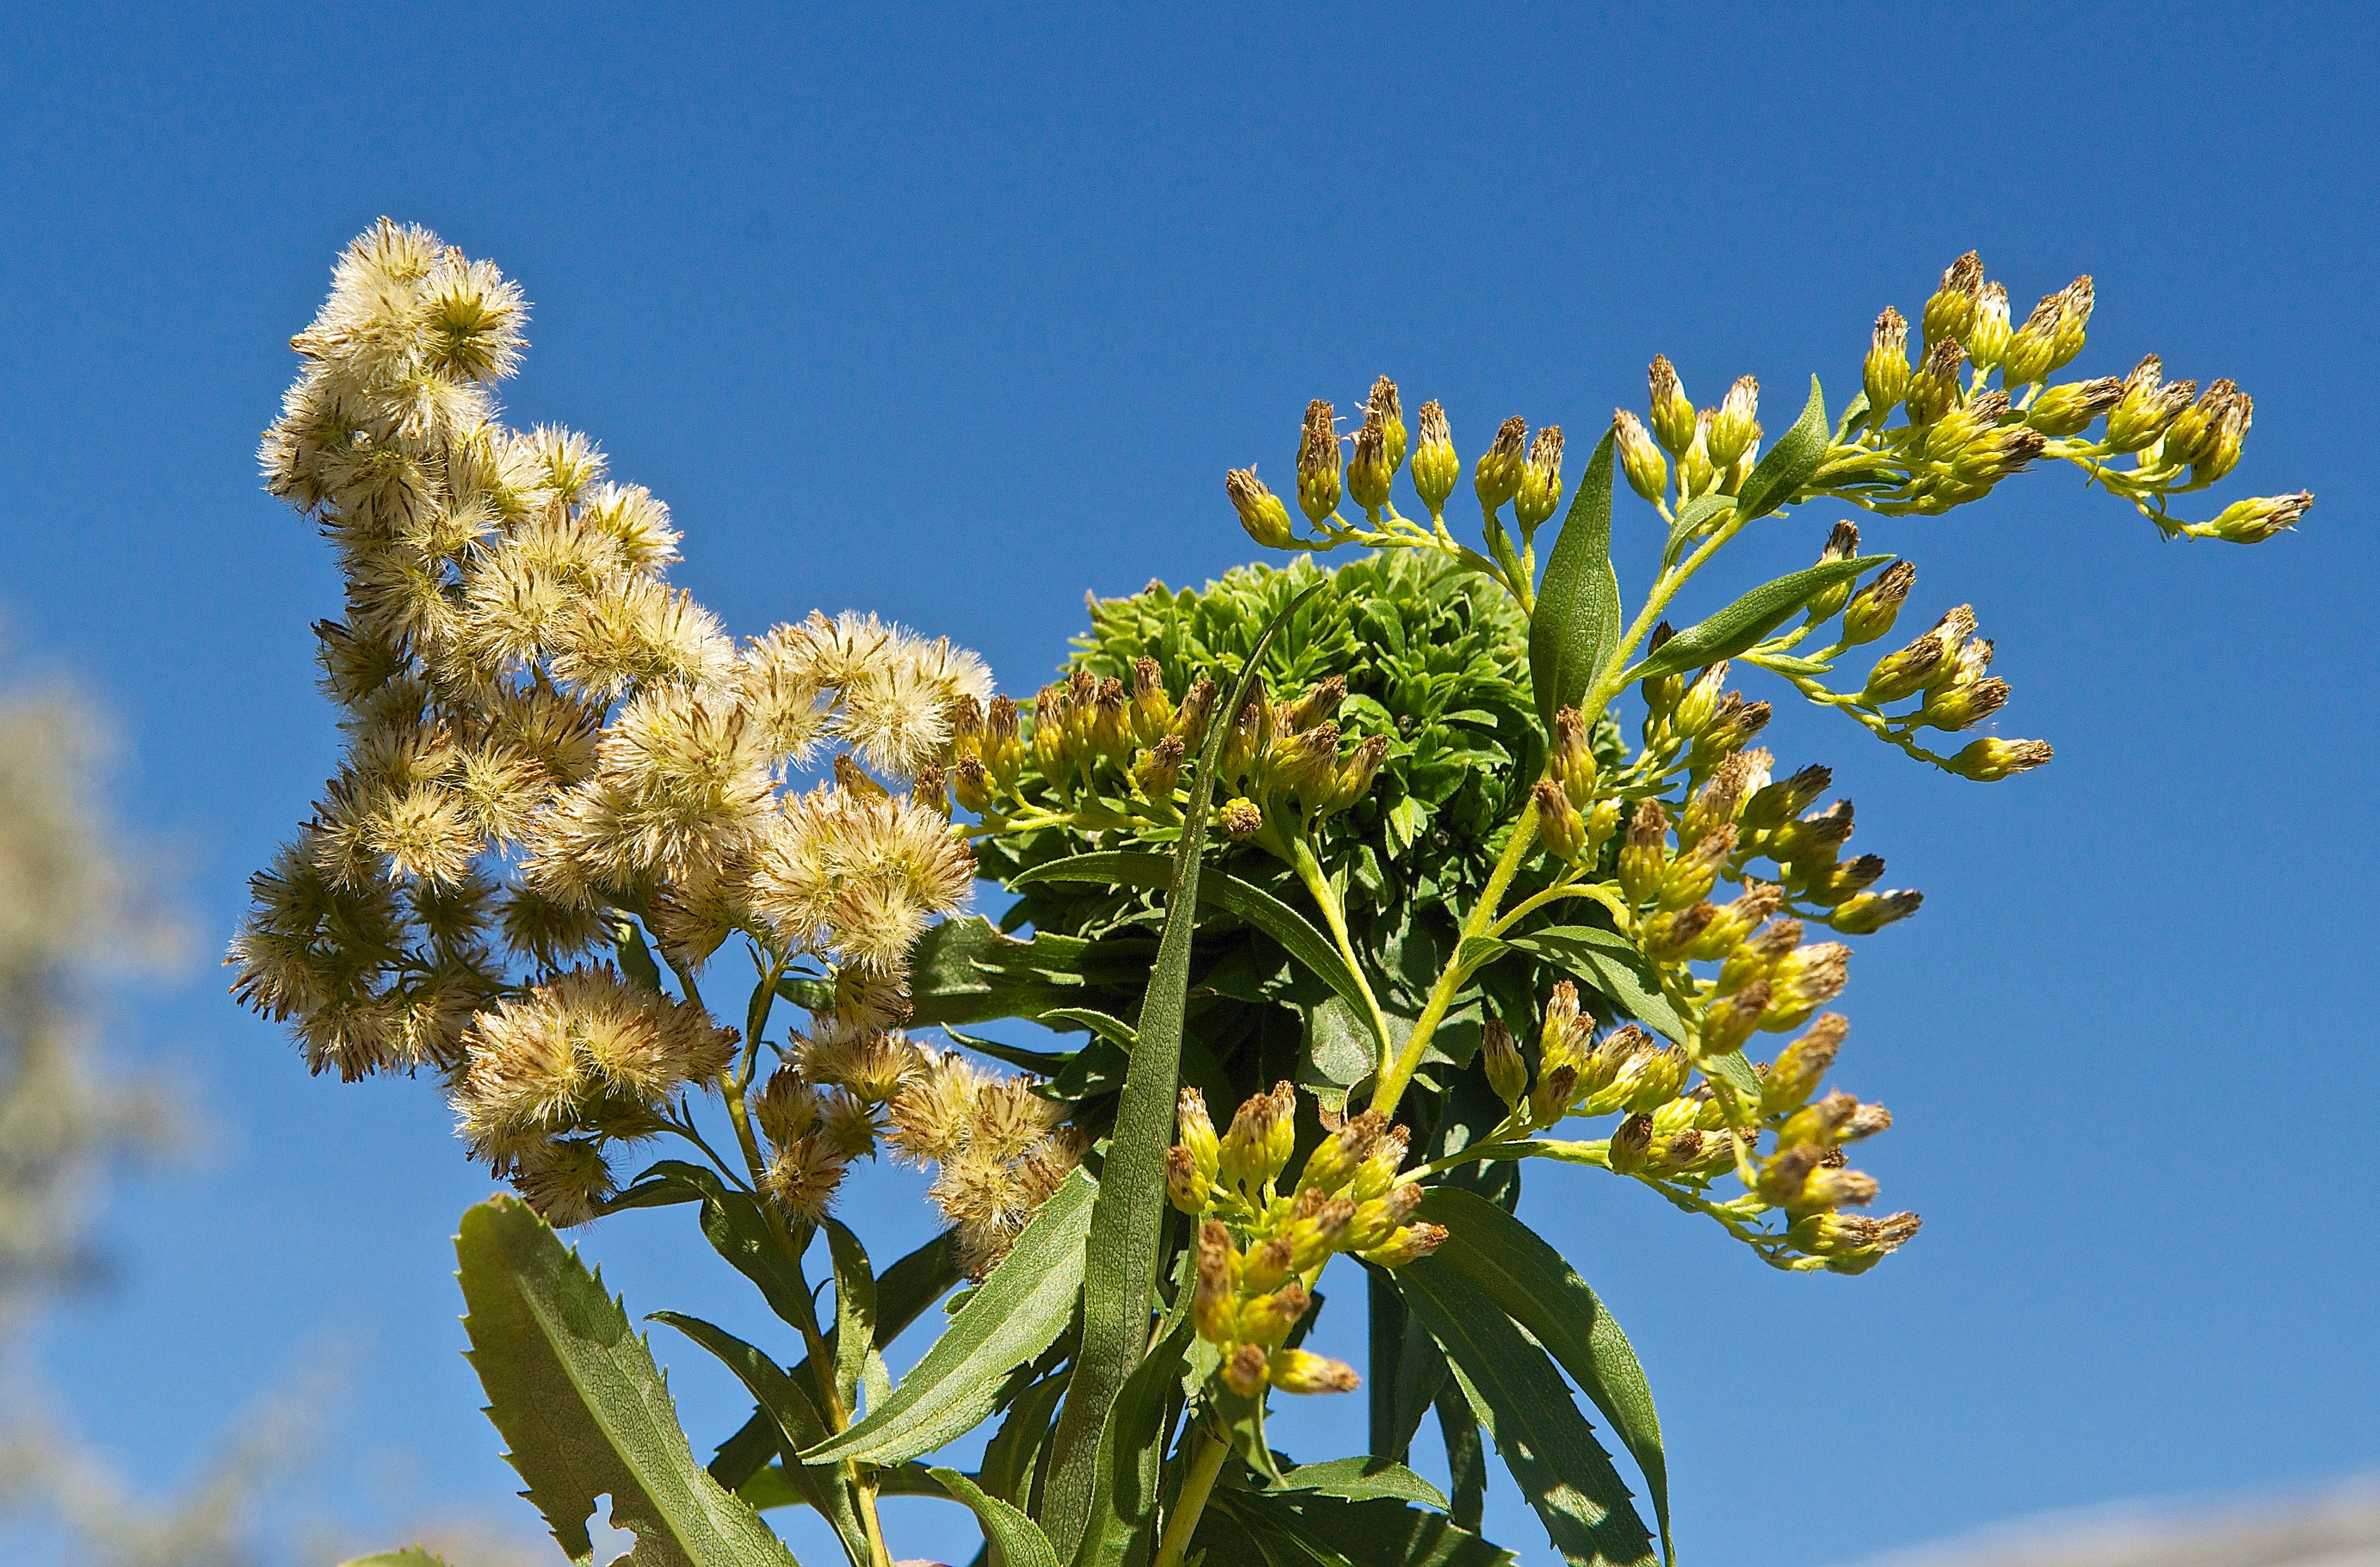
(1518,470)
(1262,1242)
(1095,754)
(1961,434)
(1679,1139)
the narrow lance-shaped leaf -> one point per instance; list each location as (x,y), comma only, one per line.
(1576,623)
(794,1422)
(1012,1316)
(1123,1497)
(1125,1228)
(1510,1264)
(855,1313)
(1794,458)
(1611,964)
(1015,1540)
(1546,1444)
(1746,621)
(582,1407)
(902,1293)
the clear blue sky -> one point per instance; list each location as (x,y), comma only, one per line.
(955,316)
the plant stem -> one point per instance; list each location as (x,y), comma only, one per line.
(1198,1483)
(1450,979)
(1309,871)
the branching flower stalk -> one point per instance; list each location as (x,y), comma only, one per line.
(566,789)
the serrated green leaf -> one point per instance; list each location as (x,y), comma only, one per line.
(575,1392)
(794,1419)
(1510,1264)
(1546,1444)
(1224,891)
(1012,1316)
(1609,963)
(1576,623)
(1794,458)
(1130,1214)
(1736,1073)
(1015,1540)
(1746,621)
(1363,1478)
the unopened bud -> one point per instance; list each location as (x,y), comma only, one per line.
(1355,774)
(1667,937)
(1963,706)
(1405,1243)
(1686,879)
(1632,1144)
(1803,981)
(1781,802)
(2146,406)
(1004,752)
(1952,306)
(1759,954)
(1260,1142)
(1191,719)
(1508,1074)
(1700,703)
(1988,760)
(1730,923)
(1560,826)
(1541,481)
(1497,477)
(1152,710)
(1903,673)
(1934,389)
(1571,759)
(1185,1187)
(1640,460)
(1389,408)
(1885,376)
(1803,1066)
(2219,453)
(1870,912)
(1299,1371)
(1246,1371)
(1987,334)
(2069,409)
(971,785)
(1645,854)
(1729,1020)
(2031,351)
(1317,463)
(1652,1079)
(2074,304)
(1696,473)
(1197,1132)
(1321,699)
(1261,512)
(1840,882)
(1435,466)
(1673,412)
(1873,608)
(1336,1158)
(1736,425)
(1368,469)
(1266,1318)
(1814,839)
(1842,544)
(2253,522)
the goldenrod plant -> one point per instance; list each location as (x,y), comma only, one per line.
(1349,893)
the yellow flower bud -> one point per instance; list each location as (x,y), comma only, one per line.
(1667,937)
(2147,405)
(1885,376)
(1404,1243)
(1245,1370)
(1729,1020)
(2253,522)
(1559,827)
(1640,460)
(1261,512)
(1299,1371)
(1335,1159)
(1317,463)
(1540,489)
(1730,923)
(1934,389)
(1673,412)
(1842,544)
(1367,470)
(1266,1318)
(1186,1187)
(1735,426)
(1987,333)
(1952,306)
(1508,1074)
(1688,877)
(1645,854)
(1497,477)
(2069,409)
(1873,608)
(1869,912)
(1988,760)
(1801,1065)
(1385,405)
(1435,466)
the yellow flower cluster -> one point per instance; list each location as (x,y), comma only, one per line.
(1260,1251)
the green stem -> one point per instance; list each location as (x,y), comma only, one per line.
(1309,871)
(1197,1484)
(1450,979)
